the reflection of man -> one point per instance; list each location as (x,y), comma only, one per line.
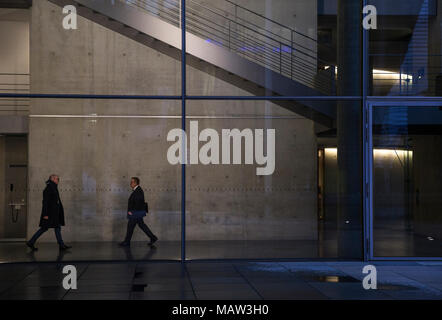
(136,211)
(52,213)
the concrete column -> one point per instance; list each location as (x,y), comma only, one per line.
(349,130)
(434,51)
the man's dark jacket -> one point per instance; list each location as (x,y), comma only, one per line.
(52,207)
(136,204)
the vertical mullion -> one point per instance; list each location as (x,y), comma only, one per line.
(368,152)
(183,127)
(371,182)
(366,138)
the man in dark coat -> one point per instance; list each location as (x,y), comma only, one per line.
(52,214)
(136,211)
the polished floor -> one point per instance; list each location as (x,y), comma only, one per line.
(168,250)
(387,244)
(390,242)
(222,280)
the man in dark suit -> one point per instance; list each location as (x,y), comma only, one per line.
(136,211)
(52,214)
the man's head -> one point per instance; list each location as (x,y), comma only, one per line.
(134,181)
(54,178)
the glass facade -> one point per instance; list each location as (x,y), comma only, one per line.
(406,181)
(260,201)
(404,54)
(277,101)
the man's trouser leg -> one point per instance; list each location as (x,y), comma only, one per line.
(131,223)
(58,235)
(37,235)
(145,228)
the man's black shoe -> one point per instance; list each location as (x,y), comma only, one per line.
(152,241)
(64,247)
(124,244)
(31,246)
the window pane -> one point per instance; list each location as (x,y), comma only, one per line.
(252,209)
(96,146)
(407,181)
(109,53)
(405,50)
(260,47)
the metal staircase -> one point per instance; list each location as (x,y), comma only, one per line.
(248,54)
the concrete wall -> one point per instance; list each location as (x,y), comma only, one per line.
(14,58)
(300,15)
(96,157)
(14,52)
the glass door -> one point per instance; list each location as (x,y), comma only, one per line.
(405,162)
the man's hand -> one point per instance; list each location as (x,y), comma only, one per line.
(129,213)
(46,217)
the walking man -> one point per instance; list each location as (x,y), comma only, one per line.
(136,211)
(52,214)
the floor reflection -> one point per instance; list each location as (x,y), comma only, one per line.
(169,250)
(386,244)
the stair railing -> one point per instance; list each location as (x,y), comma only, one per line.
(288,52)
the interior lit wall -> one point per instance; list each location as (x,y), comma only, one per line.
(96,157)
(389,183)
(330,184)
